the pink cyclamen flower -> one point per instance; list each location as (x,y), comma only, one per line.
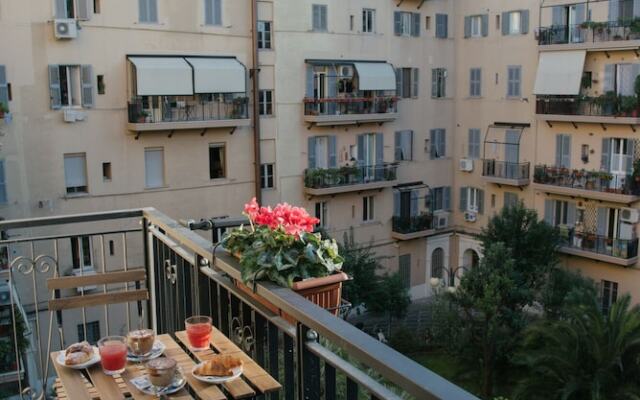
(293,220)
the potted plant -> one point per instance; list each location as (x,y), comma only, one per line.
(142,116)
(3,110)
(629,106)
(279,246)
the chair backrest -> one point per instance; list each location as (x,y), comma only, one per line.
(97,299)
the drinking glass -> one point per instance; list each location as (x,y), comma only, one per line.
(161,372)
(198,332)
(113,354)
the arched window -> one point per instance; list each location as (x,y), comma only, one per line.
(470,259)
(437,263)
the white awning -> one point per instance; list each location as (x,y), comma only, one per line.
(559,73)
(218,75)
(375,76)
(163,76)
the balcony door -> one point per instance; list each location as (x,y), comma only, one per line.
(611,226)
(621,163)
(576,14)
(321,152)
(405,204)
(320,89)
(511,153)
(370,154)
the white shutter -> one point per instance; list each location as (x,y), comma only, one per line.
(75,173)
(87,86)
(60,10)
(82,8)
(153,167)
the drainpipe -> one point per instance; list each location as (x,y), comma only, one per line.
(254,73)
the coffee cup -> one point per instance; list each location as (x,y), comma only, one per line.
(140,342)
(161,371)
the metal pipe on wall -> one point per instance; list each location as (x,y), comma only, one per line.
(255,73)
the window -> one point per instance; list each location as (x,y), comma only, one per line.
(321,152)
(514,22)
(440,198)
(213,12)
(264,34)
(563,150)
(75,173)
(438,83)
(81,252)
(510,199)
(321,213)
(438,143)
(71,86)
(609,295)
(5,91)
(217,162)
(148,11)
(404,146)
(265,104)
(368,20)
(475,82)
(442,26)
(404,269)
(112,248)
(93,332)
(517,22)
(407,82)
(472,199)
(101,88)
(3,183)
(106,171)
(437,263)
(367,208)
(266,176)
(427,23)
(474,144)
(154,167)
(319,17)
(96,6)
(514,84)
(406,23)
(476,25)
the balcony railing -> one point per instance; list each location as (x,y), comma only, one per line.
(603,106)
(351,105)
(597,181)
(619,248)
(155,109)
(505,170)
(318,178)
(408,225)
(306,357)
(589,32)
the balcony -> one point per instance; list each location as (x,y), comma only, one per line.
(608,108)
(408,228)
(350,110)
(330,181)
(168,113)
(506,173)
(591,35)
(186,275)
(598,185)
(615,251)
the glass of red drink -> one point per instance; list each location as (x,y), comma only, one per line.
(198,331)
(113,354)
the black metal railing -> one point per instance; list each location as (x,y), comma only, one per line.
(590,32)
(313,355)
(154,109)
(505,170)
(417,223)
(597,181)
(318,178)
(351,105)
(608,105)
(619,248)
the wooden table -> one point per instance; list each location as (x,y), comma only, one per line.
(94,384)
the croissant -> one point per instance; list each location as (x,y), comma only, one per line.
(219,365)
(78,353)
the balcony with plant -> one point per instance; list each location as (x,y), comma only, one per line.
(349,178)
(590,32)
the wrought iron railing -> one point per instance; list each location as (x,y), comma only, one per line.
(417,223)
(598,181)
(619,248)
(318,178)
(589,32)
(505,170)
(154,109)
(603,106)
(351,105)
(187,274)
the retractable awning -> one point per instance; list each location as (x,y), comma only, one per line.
(163,76)
(218,75)
(559,73)
(375,76)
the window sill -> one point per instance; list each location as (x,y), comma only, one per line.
(369,223)
(151,189)
(474,98)
(75,195)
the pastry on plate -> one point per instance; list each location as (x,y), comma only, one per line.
(219,365)
(78,353)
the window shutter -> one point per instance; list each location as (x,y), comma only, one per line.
(379,148)
(60,9)
(153,10)
(208,12)
(397,23)
(434,82)
(75,171)
(441,26)
(524,21)
(609,77)
(463,198)
(360,149)
(54,87)
(217,12)
(446,198)
(415,24)
(309,81)
(548,211)
(443,143)
(396,203)
(333,159)
(143,10)
(399,82)
(83,10)
(606,154)
(636,8)
(485,25)
(415,82)
(432,147)
(311,152)
(87,86)
(414,203)
(629,155)
(614,11)
(566,151)
(398,147)
(154,167)
(601,228)
(571,214)
(409,144)
(323,18)
(467,27)
(445,26)
(480,201)
(4,89)
(559,143)
(506,21)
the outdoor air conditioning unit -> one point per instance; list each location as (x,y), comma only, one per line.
(440,219)
(65,28)
(73,115)
(346,71)
(466,165)
(629,215)
(470,216)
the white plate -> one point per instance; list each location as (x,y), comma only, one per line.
(156,351)
(93,360)
(142,384)
(216,379)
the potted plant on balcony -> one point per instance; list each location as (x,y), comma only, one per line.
(3,110)
(629,106)
(279,245)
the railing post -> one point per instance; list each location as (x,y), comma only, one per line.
(308,365)
(150,282)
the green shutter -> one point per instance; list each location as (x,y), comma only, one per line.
(463,198)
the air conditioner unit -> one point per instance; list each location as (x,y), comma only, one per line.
(629,215)
(73,115)
(440,220)
(84,271)
(346,71)
(65,28)
(466,165)
(470,216)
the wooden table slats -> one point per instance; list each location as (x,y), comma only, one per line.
(72,380)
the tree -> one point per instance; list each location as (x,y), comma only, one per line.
(585,356)
(564,290)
